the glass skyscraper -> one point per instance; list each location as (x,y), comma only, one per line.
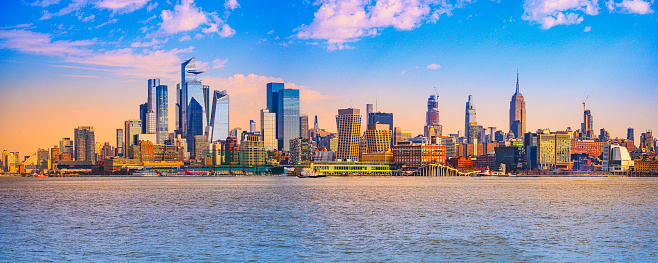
(470,114)
(219,120)
(192,105)
(85,144)
(285,104)
(162,113)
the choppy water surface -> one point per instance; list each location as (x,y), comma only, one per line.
(328,219)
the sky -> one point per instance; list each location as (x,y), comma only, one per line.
(86,62)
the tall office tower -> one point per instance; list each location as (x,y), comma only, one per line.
(630,135)
(85,144)
(348,123)
(378,138)
(369,109)
(301,150)
(120,143)
(473,133)
(162,113)
(432,126)
(150,122)
(285,103)
(604,135)
(646,142)
(470,114)
(192,104)
(316,127)
(303,126)
(219,121)
(131,128)
(252,126)
(517,113)
(66,146)
(143,109)
(268,129)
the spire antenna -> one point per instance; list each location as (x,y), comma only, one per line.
(517,80)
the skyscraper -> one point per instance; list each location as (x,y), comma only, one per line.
(131,128)
(369,109)
(219,121)
(85,144)
(150,123)
(587,127)
(120,143)
(143,109)
(470,114)
(348,123)
(381,118)
(162,113)
(268,129)
(517,115)
(630,135)
(285,103)
(252,126)
(432,126)
(646,142)
(192,104)
(303,126)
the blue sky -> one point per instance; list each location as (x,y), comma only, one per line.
(86,62)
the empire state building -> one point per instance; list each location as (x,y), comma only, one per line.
(517,112)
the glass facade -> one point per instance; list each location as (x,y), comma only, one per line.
(219,120)
(162,113)
(195,123)
(287,117)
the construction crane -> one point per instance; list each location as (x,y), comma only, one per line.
(437,92)
(585,101)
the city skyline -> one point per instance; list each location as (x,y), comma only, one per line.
(86,80)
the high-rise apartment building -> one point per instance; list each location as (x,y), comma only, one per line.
(268,129)
(470,115)
(517,124)
(587,127)
(85,144)
(432,126)
(219,122)
(378,138)
(285,103)
(554,149)
(131,129)
(120,143)
(348,123)
(646,142)
(252,151)
(162,113)
(301,150)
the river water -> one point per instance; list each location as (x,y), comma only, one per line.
(334,219)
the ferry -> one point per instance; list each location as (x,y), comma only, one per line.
(310,173)
(488,172)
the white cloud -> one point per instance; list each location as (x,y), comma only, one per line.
(159,63)
(42,44)
(433,66)
(185,17)
(89,18)
(151,6)
(75,5)
(121,6)
(185,38)
(109,22)
(153,42)
(270,32)
(44,3)
(19,26)
(219,63)
(630,7)
(231,4)
(403,72)
(550,13)
(342,21)
(587,29)
(227,31)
